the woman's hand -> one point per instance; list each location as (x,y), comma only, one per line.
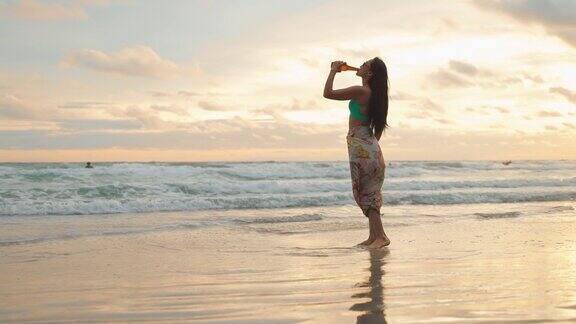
(336,66)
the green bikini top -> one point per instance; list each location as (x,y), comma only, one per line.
(355,113)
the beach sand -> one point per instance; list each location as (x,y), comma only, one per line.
(464,270)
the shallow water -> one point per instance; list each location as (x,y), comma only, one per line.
(465,267)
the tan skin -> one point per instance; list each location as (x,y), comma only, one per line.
(377,238)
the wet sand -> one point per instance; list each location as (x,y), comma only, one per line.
(467,270)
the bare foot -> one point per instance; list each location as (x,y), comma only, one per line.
(379,242)
(367,242)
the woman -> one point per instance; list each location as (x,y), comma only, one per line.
(368,111)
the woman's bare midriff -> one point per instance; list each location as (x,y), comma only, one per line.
(354,122)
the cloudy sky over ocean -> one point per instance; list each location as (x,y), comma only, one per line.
(242,80)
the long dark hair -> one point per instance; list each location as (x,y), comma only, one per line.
(378,104)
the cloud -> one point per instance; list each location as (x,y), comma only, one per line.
(37,10)
(443,78)
(443,121)
(364,53)
(159,111)
(463,74)
(171,109)
(486,110)
(97,124)
(188,94)
(211,106)
(139,61)
(220,134)
(227,136)
(570,95)
(549,113)
(421,107)
(158,93)
(431,105)
(85,105)
(13,107)
(426,109)
(463,68)
(310,61)
(557,16)
(402,96)
(148,118)
(275,110)
(533,78)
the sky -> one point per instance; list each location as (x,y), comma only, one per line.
(228,80)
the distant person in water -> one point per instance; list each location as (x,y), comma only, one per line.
(89,165)
(368,111)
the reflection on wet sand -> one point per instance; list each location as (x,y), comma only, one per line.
(373,310)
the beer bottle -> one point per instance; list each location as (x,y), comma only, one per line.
(346,67)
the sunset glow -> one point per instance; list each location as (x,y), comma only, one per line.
(235,80)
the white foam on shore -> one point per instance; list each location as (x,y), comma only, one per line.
(69,189)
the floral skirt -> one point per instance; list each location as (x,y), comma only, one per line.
(367,168)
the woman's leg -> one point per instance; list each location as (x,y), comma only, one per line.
(380,238)
(371,235)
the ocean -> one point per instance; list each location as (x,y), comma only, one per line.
(122,198)
(275,242)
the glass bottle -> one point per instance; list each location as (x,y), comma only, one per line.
(346,67)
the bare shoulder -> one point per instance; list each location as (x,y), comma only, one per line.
(356,92)
(367,90)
